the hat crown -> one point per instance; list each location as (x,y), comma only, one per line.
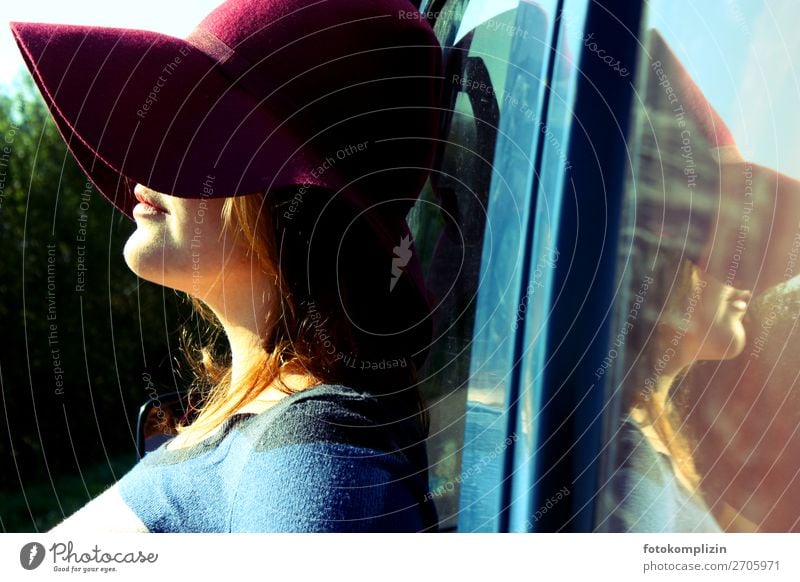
(339,74)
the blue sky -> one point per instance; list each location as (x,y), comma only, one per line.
(743,54)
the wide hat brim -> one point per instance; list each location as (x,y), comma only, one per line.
(698,194)
(138,106)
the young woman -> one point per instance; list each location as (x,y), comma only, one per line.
(685,315)
(268,161)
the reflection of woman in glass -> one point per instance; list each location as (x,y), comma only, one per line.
(686,315)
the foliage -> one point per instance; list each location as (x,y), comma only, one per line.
(74,362)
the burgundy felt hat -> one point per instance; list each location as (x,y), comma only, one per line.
(699,194)
(263,94)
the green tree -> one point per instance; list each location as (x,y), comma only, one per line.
(78,330)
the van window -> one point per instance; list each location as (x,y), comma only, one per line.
(702,368)
(472,225)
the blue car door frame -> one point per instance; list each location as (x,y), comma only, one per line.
(534,417)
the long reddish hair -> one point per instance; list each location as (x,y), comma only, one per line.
(332,271)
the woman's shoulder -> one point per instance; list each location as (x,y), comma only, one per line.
(323,414)
(319,460)
(327,413)
(339,430)
(338,395)
(332,447)
(644,494)
(638,457)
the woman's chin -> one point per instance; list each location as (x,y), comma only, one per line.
(725,346)
(735,346)
(144,260)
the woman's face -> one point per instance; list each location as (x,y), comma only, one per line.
(180,243)
(708,323)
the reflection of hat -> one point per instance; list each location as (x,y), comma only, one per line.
(262,94)
(697,193)
(682,135)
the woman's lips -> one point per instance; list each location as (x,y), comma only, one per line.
(145,210)
(740,300)
(739,305)
(148,205)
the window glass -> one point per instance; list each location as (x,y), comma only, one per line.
(450,224)
(512,45)
(702,369)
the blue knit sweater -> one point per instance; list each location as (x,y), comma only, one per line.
(325,459)
(644,494)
